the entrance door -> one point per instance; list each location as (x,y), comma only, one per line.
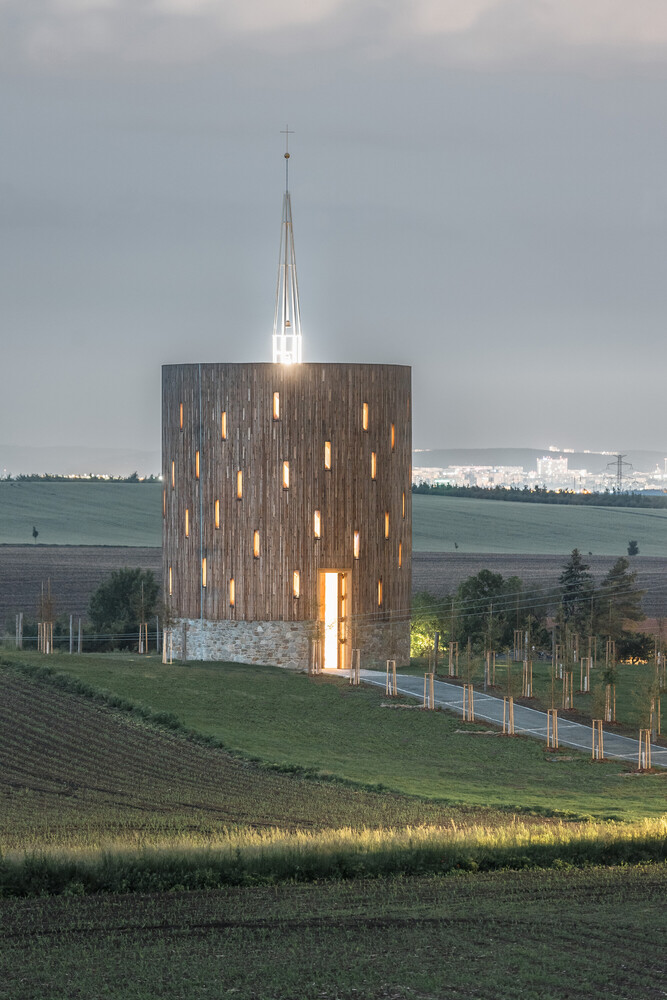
(334,614)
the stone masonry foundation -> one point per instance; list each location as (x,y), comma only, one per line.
(281,644)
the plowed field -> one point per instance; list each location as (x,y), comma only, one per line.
(76,571)
(73,771)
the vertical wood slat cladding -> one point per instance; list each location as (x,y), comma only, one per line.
(318,403)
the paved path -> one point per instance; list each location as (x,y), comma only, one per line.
(527,721)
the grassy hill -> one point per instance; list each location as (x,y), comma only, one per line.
(128,514)
(81,513)
(158,864)
(487,526)
(287,719)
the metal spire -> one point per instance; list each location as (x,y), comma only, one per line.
(287,318)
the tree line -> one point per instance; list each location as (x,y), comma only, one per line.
(539,494)
(487,608)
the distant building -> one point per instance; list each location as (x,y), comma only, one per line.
(551,469)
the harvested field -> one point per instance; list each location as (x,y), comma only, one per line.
(76,571)
(441,573)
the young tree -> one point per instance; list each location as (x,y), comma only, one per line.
(618,600)
(426,619)
(122,602)
(633,548)
(491,606)
(576,592)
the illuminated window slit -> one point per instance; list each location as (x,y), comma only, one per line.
(356,544)
(171,582)
(187,523)
(400,554)
(403,505)
(386,524)
(327,454)
(217,513)
(374,465)
(276,406)
(379,592)
(255,544)
(239,485)
(180,419)
(232,592)
(364,416)
(196,465)
(317,524)
(203,572)
(173,475)
(296,583)
(393,437)
(223,425)
(285,475)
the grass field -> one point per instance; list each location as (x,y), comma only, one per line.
(636,687)
(573,935)
(120,826)
(487,526)
(344,732)
(81,513)
(129,514)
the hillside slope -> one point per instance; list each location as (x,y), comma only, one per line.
(74,772)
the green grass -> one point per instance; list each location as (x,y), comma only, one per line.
(285,718)
(633,686)
(573,935)
(129,514)
(81,513)
(542,529)
(82,772)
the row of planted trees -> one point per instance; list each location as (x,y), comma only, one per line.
(489,610)
(566,648)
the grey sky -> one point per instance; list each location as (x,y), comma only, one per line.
(479,190)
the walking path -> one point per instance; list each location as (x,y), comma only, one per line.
(527,721)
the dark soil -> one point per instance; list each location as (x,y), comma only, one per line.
(76,571)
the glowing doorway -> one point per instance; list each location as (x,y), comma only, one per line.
(334,589)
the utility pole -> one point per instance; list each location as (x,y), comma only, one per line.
(619,463)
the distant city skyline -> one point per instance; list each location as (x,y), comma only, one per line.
(478,190)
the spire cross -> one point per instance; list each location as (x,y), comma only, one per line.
(287,132)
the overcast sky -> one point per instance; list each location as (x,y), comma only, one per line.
(479,190)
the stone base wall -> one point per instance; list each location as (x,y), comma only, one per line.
(281,644)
